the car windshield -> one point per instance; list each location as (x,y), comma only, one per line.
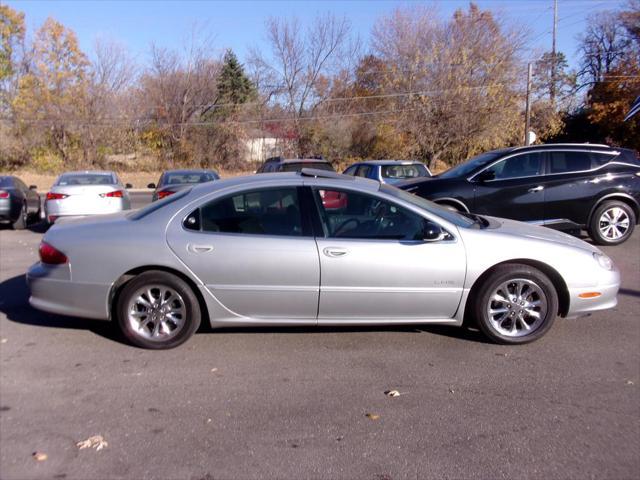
(177,178)
(473,164)
(154,206)
(401,172)
(296,167)
(6,182)
(448,215)
(86,179)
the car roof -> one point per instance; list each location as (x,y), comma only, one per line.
(306,177)
(547,146)
(189,170)
(390,162)
(89,172)
(298,160)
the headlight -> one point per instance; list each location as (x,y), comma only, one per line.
(604,261)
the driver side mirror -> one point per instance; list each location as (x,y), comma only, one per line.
(128,185)
(432,233)
(151,185)
(486,175)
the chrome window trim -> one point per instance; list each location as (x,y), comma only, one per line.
(614,153)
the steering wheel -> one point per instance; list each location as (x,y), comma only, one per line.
(342,225)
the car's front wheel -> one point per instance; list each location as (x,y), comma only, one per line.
(612,223)
(157,310)
(516,304)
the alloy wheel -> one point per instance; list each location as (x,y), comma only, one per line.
(156,312)
(613,223)
(517,307)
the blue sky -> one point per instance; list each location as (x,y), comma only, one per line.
(240,25)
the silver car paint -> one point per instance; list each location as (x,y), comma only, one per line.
(282,287)
(85,200)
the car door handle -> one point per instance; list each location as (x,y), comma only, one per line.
(539,188)
(334,252)
(199,248)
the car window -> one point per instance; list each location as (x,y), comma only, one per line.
(525,165)
(296,167)
(6,182)
(154,206)
(273,211)
(600,159)
(86,179)
(177,178)
(401,172)
(363,171)
(347,214)
(473,164)
(563,162)
(351,170)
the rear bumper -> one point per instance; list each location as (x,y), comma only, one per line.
(5,210)
(55,210)
(53,291)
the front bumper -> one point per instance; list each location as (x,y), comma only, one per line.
(53,291)
(607,288)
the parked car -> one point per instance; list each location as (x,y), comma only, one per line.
(389,171)
(250,251)
(279,164)
(18,203)
(172,181)
(564,186)
(80,194)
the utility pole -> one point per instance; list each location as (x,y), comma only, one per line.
(552,89)
(527,117)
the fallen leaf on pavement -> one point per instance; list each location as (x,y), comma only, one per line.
(392,393)
(451,390)
(372,416)
(214,369)
(629,382)
(96,442)
(4,340)
(39,456)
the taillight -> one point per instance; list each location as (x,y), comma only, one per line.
(164,193)
(4,194)
(116,194)
(56,196)
(51,255)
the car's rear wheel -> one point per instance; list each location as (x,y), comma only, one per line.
(516,304)
(23,218)
(612,223)
(158,310)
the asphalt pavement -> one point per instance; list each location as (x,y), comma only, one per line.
(310,403)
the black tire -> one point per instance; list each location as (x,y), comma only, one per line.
(23,218)
(599,220)
(143,336)
(513,275)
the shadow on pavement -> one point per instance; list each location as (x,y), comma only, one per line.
(14,303)
(629,292)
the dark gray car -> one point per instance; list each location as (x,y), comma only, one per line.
(18,203)
(172,181)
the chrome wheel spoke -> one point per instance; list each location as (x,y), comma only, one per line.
(517,307)
(156,312)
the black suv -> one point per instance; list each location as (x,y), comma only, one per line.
(564,186)
(279,164)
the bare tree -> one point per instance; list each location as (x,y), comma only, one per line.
(602,46)
(301,63)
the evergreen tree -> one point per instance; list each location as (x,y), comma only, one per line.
(234,87)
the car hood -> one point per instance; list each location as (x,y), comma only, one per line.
(522,229)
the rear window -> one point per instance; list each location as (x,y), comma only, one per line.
(86,179)
(404,171)
(154,206)
(296,167)
(187,177)
(563,162)
(6,182)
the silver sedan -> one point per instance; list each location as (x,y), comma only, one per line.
(314,248)
(80,194)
